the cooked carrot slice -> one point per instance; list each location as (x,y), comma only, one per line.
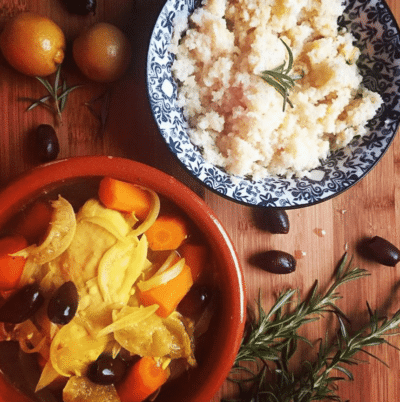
(144,378)
(125,197)
(169,294)
(167,233)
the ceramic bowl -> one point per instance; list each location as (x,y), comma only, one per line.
(71,176)
(377,35)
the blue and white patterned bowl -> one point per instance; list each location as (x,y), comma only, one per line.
(378,36)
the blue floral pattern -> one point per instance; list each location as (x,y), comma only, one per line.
(378,37)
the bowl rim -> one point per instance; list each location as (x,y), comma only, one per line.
(33,182)
(230,197)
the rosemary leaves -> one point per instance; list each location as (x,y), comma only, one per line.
(272,337)
(57,96)
(280,79)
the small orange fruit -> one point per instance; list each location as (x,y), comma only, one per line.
(102,52)
(33,44)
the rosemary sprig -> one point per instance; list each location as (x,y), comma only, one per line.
(280,79)
(342,354)
(272,331)
(56,100)
(317,383)
(272,340)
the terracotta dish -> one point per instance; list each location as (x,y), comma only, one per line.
(73,177)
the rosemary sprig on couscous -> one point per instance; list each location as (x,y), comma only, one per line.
(232,72)
(280,79)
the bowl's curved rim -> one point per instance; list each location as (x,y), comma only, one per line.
(258,206)
(31,183)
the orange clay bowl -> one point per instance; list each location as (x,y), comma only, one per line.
(217,356)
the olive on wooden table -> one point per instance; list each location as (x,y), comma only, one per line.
(382,251)
(107,370)
(274,261)
(80,7)
(64,303)
(195,301)
(45,143)
(22,304)
(275,221)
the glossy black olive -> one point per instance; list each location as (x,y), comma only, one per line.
(81,7)
(107,370)
(46,143)
(382,251)
(274,261)
(22,304)
(63,305)
(195,301)
(272,220)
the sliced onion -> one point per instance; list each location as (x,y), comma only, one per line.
(25,252)
(153,214)
(60,235)
(119,269)
(31,268)
(56,344)
(137,315)
(111,220)
(49,374)
(131,219)
(161,278)
(166,363)
(115,350)
(136,267)
(167,263)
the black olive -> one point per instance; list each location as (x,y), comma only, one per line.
(107,370)
(46,143)
(382,251)
(195,301)
(63,305)
(81,7)
(274,261)
(22,304)
(275,221)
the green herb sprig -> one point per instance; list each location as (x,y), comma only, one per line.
(57,96)
(272,338)
(280,79)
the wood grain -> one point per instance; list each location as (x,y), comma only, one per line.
(372,207)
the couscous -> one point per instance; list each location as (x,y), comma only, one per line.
(244,124)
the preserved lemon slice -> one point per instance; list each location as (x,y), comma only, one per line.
(73,348)
(60,235)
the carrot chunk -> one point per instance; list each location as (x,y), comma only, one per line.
(11,267)
(144,378)
(124,197)
(167,233)
(169,294)
(34,225)
(196,256)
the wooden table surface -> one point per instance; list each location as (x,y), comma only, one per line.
(319,234)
